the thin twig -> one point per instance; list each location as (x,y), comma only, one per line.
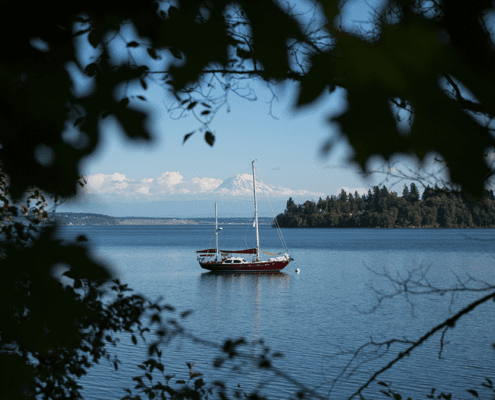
(448,323)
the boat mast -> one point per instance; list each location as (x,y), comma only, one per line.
(256,219)
(216,232)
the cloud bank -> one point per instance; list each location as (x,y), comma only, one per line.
(173,186)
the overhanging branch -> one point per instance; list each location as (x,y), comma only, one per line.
(448,323)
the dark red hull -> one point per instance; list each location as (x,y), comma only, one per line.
(267,266)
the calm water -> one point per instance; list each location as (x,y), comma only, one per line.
(314,318)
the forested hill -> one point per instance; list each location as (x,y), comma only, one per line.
(82,219)
(435,208)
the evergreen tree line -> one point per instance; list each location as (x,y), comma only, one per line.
(381,208)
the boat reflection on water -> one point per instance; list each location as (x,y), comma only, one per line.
(226,275)
(255,295)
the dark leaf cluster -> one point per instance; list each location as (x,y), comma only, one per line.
(418,56)
(433,60)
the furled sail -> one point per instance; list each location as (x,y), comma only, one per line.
(247,251)
(270,254)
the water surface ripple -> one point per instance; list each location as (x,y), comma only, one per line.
(317,318)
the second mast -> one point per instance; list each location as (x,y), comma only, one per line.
(256,218)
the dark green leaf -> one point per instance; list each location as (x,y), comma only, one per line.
(218,362)
(142,69)
(91,69)
(473,392)
(240,52)
(133,122)
(95,36)
(152,53)
(176,53)
(69,274)
(124,102)
(206,112)
(152,349)
(180,381)
(210,138)
(192,105)
(382,383)
(156,318)
(133,44)
(172,11)
(397,396)
(134,340)
(106,113)
(143,83)
(79,120)
(81,32)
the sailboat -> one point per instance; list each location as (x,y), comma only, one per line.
(235,260)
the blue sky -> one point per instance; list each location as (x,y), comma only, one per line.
(286,144)
(286,149)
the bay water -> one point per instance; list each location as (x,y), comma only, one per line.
(317,318)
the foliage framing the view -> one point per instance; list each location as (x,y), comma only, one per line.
(415,56)
(432,61)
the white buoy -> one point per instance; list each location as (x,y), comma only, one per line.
(298,270)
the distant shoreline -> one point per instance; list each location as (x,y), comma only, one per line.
(68,219)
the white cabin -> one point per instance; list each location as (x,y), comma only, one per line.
(234,260)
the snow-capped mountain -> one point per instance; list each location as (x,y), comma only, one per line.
(242,184)
(170,186)
(170,194)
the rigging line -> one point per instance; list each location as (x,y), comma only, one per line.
(279,231)
(280,234)
(245,237)
(212,237)
(273,214)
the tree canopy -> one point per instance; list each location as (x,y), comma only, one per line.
(437,208)
(430,62)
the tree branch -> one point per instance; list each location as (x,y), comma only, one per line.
(448,323)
